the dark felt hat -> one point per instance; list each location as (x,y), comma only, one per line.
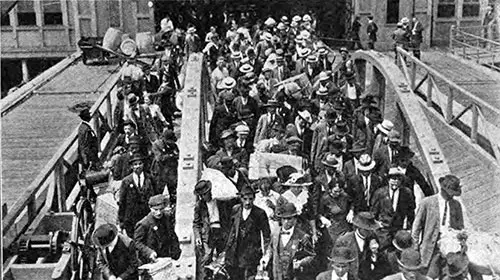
(136,157)
(157,200)
(84,113)
(135,140)
(285,171)
(366,220)
(342,255)
(402,240)
(287,210)
(104,235)
(451,184)
(202,187)
(410,260)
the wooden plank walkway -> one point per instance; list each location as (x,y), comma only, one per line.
(480,178)
(33,131)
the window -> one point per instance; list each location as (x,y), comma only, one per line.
(26,13)
(471,8)
(446,8)
(5,20)
(392,11)
(52,14)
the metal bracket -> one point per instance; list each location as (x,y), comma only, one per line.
(192,92)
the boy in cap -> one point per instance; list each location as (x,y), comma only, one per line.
(248,238)
(134,194)
(116,254)
(290,250)
(437,213)
(155,235)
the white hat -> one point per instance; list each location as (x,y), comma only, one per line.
(366,163)
(385,126)
(267,36)
(296,180)
(322,91)
(305,52)
(191,30)
(281,26)
(395,171)
(405,20)
(242,129)
(306,35)
(284,18)
(323,76)
(246,68)
(305,115)
(236,54)
(270,21)
(296,18)
(306,17)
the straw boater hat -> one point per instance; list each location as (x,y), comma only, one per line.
(410,260)
(267,36)
(297,180)
(104,235)
(226,83)
(299,39)
(294,24)
(236,55)
(226,134)
(288,210)
(322,91)
(342,255)
(366,163)
(311,58)
(402,240)
(202,187)
(242,129)
(305,115)
(344,49)
(305,52)
(405,20)
(306,35)
(270,21)
(306,17)
(191,30)
(284,19)
(365,220)
(281,26)
(293,139)
(330,161)
(246,68)
(451,184)
(271,103)
(296,18)
(322,51)
(395,172)
(385,126)
(323,76)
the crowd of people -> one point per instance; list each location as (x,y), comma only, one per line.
(357,208)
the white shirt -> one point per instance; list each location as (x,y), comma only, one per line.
(299,201)
(213,213)
(260,201)
(270,117)
(441,202)
(351,92)
(336,277)
(240,143)
(285,238)
(137,178)
(360,241)
(367,182)
(245,213)
(394,195)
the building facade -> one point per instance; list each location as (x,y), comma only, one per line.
(38,33)
(437,17)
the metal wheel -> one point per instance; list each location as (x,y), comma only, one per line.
(82,252)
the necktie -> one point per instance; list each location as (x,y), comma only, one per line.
(139,181)
(108,254)
(285,232)
(445,215)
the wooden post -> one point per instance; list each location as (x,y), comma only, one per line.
(97,129)
(413,74)
(25,71)
(451,37)
(430,84)
(60,185)
(474,124)
(109,111)
(32,207)
(449,106)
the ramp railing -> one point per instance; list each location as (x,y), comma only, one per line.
(467,43)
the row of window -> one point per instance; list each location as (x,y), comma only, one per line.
(26,15)
(445,9)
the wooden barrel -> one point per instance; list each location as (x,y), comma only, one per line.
(145,41)
(128,47)
(112,39)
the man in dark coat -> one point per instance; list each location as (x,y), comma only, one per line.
(410,266)
(116,255)
(141,117)
(394,206)
(166,160)
(210,226)
(355,28)
(88,147)
(154,235)
(387,155)
(412,174)
(341,260)
(371,30)
(249,230)
(135,191)
(151,82)
(362,186)
(222,118)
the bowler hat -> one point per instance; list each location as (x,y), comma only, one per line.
(202,187)
(157,200)
(104,235)
(341,128)
(330,161)
(247,189)
(330,114)
(342,255)
(410,259)
(335,143)
(451,184)
(365,220)
(402,240)
(85,113)
(136,157)
(366,163)
(287,210)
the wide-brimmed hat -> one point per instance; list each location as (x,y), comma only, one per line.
(322,51)
(386,126)
(293,139)
(132,99)
(202,187)
(249,78)
(227,83)
(157,200)
(312,58)
(305,52)
(410,259)
(343,49)
(296,18)
(341,128)
(358,147)
(366,163)
(242,129)
(394,136)
(458,263)
(330,161)
(247,189)
(287,210)
(395,172)
(342,255)
(136,157)
(104,235)
(226,134)
(297,180)
(235,55)
(365,220)
(451,184)
(323,76)
(322,91)
(402,240)
(267,36)
(246,68)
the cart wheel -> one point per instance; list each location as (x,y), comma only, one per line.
(82,261)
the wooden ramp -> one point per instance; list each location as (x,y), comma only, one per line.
(34,130)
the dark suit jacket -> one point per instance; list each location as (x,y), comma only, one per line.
(306,137)
(327,275)
(133,202)
(156,235)
(152,85)
(121,262)
(413,175)
(356,190)
(256,223)
(381,267)
(383,211)
(201,222)
(382,160)
(371,30)
(88,147)
(349,240)
(221,120)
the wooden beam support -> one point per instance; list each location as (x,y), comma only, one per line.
(430,85)
(474,124)
(449,106)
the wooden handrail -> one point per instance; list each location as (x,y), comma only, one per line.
(28,196)
(477,37)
